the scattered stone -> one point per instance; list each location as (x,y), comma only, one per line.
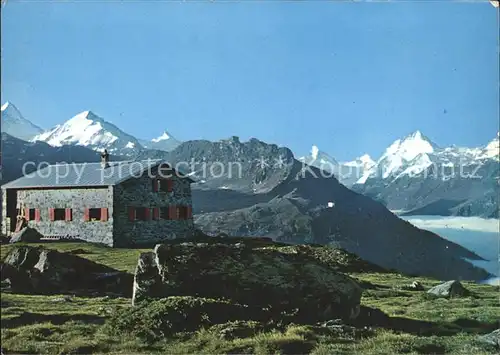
(26,235)
(237,329)
(449,289)
(43,271)
(62,299)
(333,322)
(414,286)
(491,339)
(349,332)
(289,281)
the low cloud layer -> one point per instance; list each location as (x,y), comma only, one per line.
(469,223)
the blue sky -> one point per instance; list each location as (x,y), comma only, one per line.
(348,77)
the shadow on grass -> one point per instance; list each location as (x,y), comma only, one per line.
(376,318)
(28,318)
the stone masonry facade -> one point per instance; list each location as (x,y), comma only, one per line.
(139,193)
(117,229)
(78,200)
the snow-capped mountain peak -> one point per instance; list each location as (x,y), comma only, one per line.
(165,142)
(89,130)
(401,152)
(14,123)
(410,146)
(163,137)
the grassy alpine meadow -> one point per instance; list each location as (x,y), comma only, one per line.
(70,324)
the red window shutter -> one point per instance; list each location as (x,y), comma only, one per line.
(86,215)
(189,212)
(156,213)
(104,214)
(170,185)
(37,215)
(131,214)
(147,213)
(155,185)
(27,214)
(51,214)
(172,212)
(67,214)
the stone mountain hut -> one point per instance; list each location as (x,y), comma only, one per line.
(114,203)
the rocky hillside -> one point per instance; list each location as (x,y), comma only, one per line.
(258,189)
(297,204)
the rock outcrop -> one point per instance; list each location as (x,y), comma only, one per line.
(27,235)
(37,270)
(449,289)
(492,339)
(283,279)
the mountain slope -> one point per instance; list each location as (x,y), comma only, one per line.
(91,131)
(291,204)
(18,154)
(16,125)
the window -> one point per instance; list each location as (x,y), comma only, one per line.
(164,213)
(174,212)
(32,214)
(59,214)
(181,212)
(166,185)
(96,214)
(139,213)
(184,212)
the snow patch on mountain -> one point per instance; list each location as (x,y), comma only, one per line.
(16,125)
(364,161)
(492,150)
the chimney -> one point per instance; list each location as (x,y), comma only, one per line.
(105,159)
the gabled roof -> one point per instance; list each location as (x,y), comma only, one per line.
(86,174)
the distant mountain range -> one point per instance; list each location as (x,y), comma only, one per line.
(416,176)
(16,125)
(267,193)
(86,129)
(413,176)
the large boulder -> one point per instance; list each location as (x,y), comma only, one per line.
(27,235)
(163,317)
(285,280)
(30,269)
(449,289)
(492,339)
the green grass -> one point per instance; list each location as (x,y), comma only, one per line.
(120,259)
(68,324)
